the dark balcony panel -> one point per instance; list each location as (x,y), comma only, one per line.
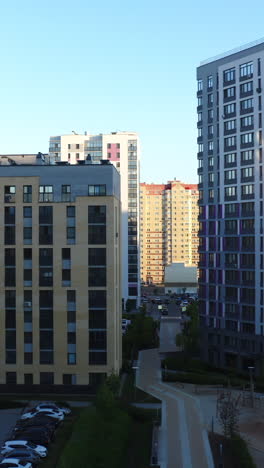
(248,196)
(229,83)
(232,164)
(246,77)
(199,123)
(230,115)
(230,148)
(246,111)
(230,132)
(230,181)
(247,145)
(245,129)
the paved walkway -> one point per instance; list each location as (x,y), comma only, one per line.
(183,437)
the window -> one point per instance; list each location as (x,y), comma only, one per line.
(230,93)
(45,257)
(211,177)
(69,379)
(70,211)
(230,175)
(210,145)
(209,81)
(97,299)
(45,193)
(246,70)
(77,146)
(46,276)
(199,101)
(247,138)
(247,172)
(230,74)
(96,276)
(45,235)
(66,277)
(210,99)
(230,192)
(247,189)
(27,193)
(97,357)
(200,148)
(230,158)
(70,235)
(10,235)
(246,87)
(10,215)
(210,115)
(97,319)
(10,257)
(248,208)
(231,209)
(108,145)
(96,190)
(11,378)
(200,116)
(69,146)
(246,104)
(230,125)
(10,194)
(247,156)
(27,235)
(247,121)
(45,215)
(229,109)
(46,378)
(97,214)
(230,142)
(27,212)
(199,85)
(65,193)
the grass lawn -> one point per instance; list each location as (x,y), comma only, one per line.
(62,436)
(139,447)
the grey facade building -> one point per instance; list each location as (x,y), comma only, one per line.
(230,171)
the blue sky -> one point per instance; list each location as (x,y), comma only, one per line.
(114,65)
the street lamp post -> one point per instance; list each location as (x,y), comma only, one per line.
(250,368)
(135,368)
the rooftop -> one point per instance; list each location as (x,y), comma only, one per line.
(233,51)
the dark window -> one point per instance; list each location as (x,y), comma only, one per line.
(71,233)
(10,194)
(45,235)
(27,254)
(96,234)
(45,215)
(10,257)
(10,319)
(10,298)
(27,277)
(27,232)
(46,378)
(71,338)
(71,296)
(97,299)
(45,257)
(97,256)
(11,378)
(46,357)
(10,215)
(46,319)
(10,235)
(10,339)
(96,277)
(66,254)
(46,299)
(46,339)
(28,379)
(10,276)
(97,214)
(68,379)
(97,318)
(97,358)
(46,276)
(66,276)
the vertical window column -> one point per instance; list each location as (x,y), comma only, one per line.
(27,212)
(10,326)
(70,211)
(66,267)
(10,225)
(28,267)
(71,327)
(28,328)
(46,327)
(97,327)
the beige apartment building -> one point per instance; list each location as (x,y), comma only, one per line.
(60,282)
(168,227)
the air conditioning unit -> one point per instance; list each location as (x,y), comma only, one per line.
(258,90)
(27,304)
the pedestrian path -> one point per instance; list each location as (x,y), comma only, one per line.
(183,437)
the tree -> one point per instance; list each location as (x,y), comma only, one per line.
(105,401)
(189,338)
(129,305)
(113,383)
(228,416)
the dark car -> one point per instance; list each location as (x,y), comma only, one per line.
(25,455)
(33,434)
(41,421)
(35,425)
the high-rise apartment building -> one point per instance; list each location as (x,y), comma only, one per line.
(230,157)
(60,281)
(168,227)
(122,150)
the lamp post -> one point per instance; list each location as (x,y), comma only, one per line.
(250,368)
(135,368)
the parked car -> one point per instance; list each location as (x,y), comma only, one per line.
(54,406)
(10,445)
(34,434)
(41,423)
(40,419)
(48,430)
(164,311)
(25,455)
(54,414)
(15,463)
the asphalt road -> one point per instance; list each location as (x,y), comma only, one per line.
(173,310)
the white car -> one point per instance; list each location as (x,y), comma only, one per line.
(47,406)
(49,412)
(10,445)
(14,463)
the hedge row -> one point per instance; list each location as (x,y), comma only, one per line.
(240,452)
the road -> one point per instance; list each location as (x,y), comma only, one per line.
(183,441)
(173,310)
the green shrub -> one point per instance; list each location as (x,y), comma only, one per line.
(197,379)
(240,452)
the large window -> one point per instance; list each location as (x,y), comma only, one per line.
(45,193)
(65,193)
(229,75)
(246,104)
(247,138)
(96,190)
(27,193)
(229,109)
(246,70)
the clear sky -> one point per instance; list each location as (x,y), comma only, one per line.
(114,65)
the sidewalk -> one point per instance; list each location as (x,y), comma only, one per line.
(183,441)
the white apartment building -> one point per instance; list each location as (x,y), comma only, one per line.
(122,150)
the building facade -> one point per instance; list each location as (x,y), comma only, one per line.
(230,168)
(122,150)
(168,227)
(60,282)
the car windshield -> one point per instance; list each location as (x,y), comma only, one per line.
(30,444)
